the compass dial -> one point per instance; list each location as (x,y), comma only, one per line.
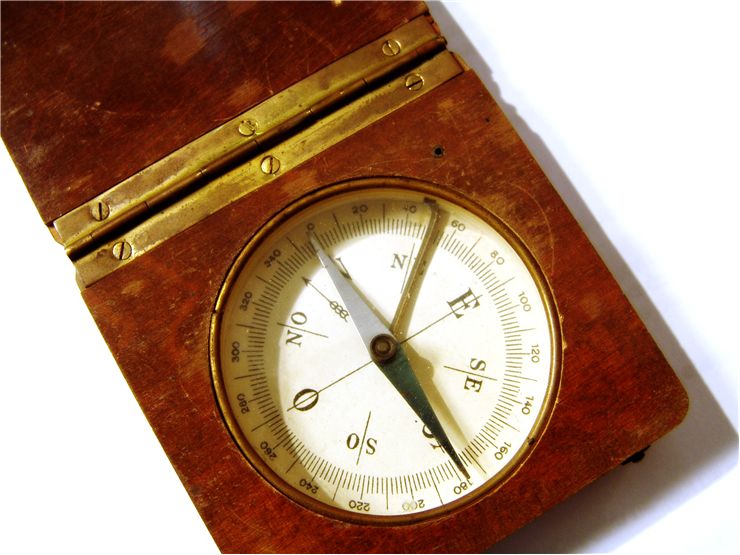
(464,313)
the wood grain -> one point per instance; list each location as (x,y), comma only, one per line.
(93,92)
(617,394)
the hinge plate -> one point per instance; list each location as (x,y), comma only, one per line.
(152,187)
(267,167)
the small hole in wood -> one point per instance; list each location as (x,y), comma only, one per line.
(438,151)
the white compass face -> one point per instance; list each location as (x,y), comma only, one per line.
(321,416)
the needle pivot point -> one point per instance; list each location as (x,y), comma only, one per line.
(383,348)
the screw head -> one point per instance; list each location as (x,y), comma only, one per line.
(391,47)
(99,211)
(414,82)
(383,347)
(121,250)
(247,127)
(270,165)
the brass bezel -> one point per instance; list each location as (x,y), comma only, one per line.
(442,192)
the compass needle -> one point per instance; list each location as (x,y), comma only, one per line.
(387,353)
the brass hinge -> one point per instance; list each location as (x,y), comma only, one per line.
(109,231)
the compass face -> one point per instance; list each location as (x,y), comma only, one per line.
(299,389)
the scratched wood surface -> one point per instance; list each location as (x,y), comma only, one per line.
(93,92)
(617,393)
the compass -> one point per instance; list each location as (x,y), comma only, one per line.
(352,307)
(382,353)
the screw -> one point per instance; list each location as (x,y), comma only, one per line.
(99,211)
(391,47)
(247,127)
(270,165)
(414,82)
(383,347)
(121,250)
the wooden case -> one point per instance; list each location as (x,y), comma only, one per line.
(617,393)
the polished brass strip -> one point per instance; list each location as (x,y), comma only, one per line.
(140,193)
(258,172)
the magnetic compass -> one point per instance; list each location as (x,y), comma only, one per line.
(384,353)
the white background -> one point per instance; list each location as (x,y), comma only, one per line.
(631,109)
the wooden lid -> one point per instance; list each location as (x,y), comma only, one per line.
(94,92)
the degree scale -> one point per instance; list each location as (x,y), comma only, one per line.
(447,153)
